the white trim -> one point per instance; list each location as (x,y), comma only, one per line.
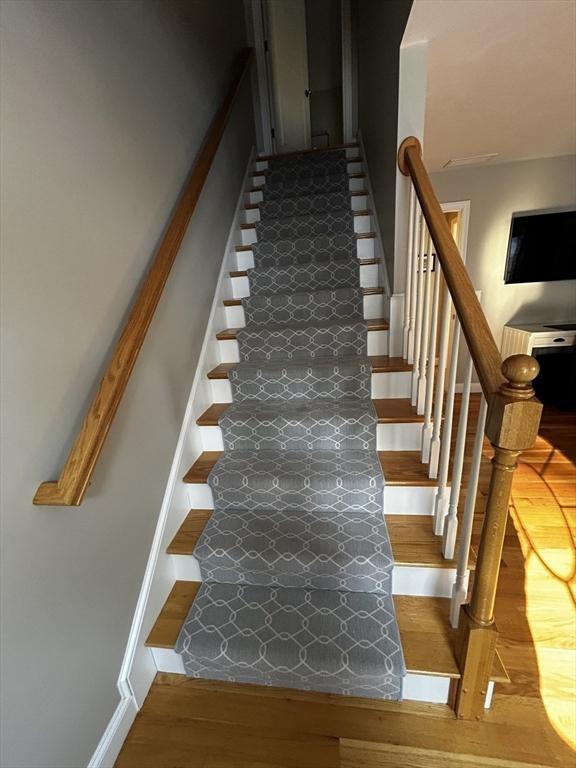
(261,87)
(463,208)
(347,73)
(113,737)
(379,248)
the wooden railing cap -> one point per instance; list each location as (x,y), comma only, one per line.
(410,141)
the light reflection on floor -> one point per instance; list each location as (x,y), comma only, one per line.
(544,514)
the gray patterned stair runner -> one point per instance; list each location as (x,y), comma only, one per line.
(296,558)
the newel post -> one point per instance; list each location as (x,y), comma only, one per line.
(512,426)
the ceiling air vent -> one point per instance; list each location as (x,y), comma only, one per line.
(472,160)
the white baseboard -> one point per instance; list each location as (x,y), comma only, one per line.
(113,737)
(383,267)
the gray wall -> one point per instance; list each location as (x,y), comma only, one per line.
(495,193)
(380,28)
(104,106)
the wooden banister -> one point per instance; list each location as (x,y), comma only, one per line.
(75,477)
(475,327)
(511,426)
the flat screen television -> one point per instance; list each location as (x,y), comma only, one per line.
(541,247)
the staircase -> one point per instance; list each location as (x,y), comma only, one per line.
(311,520)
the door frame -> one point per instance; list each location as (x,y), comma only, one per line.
(264,114)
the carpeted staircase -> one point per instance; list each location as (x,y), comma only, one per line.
(296,559)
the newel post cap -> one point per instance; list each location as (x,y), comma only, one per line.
(520,371)
(410,141)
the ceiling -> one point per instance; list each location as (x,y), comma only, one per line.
(501,77)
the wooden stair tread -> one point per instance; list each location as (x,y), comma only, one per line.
(396,410)
(428,640)
(414,543)
(246,272)
(189,532)
(379,363)
(204,464)
(264,171)
(334,148)
(221,371)
(359,236)
(399,467)
(229,334)
(377,291)
(385,364)
(388,411)
(366,212)
(404,468)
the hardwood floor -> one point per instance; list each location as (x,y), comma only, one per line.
(200,724)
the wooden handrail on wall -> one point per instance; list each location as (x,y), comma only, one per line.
(75,477)
(511,426)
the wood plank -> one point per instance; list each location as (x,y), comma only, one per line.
(167,626)
(404,468)
(396,410)
(75,477)
(385,364)
(221,371)
(414,543)
(189,532)
(379,363)
(301,152)
(377,291)
(388,411)
(229,334)
(211,416)
(204,464)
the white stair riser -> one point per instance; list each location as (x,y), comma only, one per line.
(384,385)
(409,500)
(240,286)
(398,500)
(423,581)
(354,185)
(365,250)
(362,224)
(389,437)
(377,345)
(415,687)
(357,203)
(374,306)
(406,579)
(259,179)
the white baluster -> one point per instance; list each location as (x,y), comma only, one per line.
(425,333)
(442,498)
(439,397)
(460,588)
(419,311)
(427,428)
(418,224)
(451,522)
(409,262)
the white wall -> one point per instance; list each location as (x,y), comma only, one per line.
(495,193)
(104,106)
(380,26)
